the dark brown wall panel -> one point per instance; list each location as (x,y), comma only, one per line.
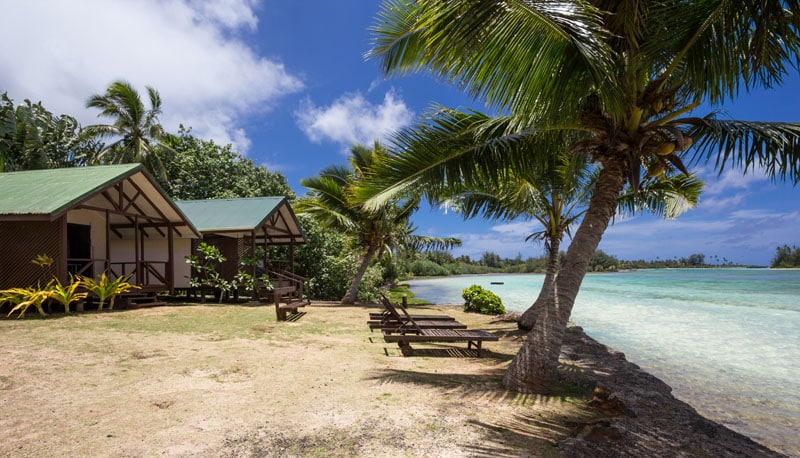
(20,243)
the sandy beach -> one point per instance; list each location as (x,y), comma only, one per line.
(228,380)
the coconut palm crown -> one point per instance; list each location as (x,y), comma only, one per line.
(135,130)
(333,202)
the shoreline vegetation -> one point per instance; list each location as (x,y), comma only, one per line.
(228,380)
(442,264)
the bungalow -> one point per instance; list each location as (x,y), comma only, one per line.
(113,218)
(237,226)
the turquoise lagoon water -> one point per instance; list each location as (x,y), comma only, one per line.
(726,340)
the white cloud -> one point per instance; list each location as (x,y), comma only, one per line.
(208,79)
(228,13)
(352,119)
(731,179)
(517,229)
(718,204)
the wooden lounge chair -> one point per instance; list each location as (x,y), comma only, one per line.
(392,319)
(412,332)
(390,311)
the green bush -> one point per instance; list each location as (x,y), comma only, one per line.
(477,299)
(427,268)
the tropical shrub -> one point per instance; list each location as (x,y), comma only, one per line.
(205,265)
(105,288)
(332,277)
(427,268)
(480,300)
(370,288)
(66,294)
(22,298)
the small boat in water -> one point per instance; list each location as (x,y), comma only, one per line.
(496,283)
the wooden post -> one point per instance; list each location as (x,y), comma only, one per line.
(108,243)
(170,260)
(291,254)
(137,259)
(61,261)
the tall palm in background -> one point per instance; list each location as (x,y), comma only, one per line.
(135,130)
(623,76)
(334,204)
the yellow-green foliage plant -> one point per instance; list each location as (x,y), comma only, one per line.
(66,294)
(105,288)
(23,298)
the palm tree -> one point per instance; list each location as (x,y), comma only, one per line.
(333,202)
(138,135)
(623,77)
(554,190)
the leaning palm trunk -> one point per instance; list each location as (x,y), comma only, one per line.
(528,318)
(352,293)
(535,367)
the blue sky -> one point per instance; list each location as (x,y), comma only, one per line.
(287,84)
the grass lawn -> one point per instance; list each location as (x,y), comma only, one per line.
(228,380)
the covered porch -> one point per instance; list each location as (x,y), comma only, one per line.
(90,220)
(239,226)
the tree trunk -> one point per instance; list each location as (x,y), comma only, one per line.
(535,367)
(528,318)
(352,293)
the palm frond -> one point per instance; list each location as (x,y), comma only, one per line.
(535,59)
(753,44)
(666,196)
(773,147)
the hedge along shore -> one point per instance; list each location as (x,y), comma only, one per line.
(228,380)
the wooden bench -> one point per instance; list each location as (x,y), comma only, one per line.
(285,302)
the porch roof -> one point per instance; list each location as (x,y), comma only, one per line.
(270,217)
(126,191)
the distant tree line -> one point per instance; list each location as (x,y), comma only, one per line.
(439,263)
(786,257)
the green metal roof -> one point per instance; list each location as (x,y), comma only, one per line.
(228,215)
(51,191)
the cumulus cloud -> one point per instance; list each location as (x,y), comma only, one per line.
(718,204)
(517,229)
(352,119)
(731,179)
(188,50)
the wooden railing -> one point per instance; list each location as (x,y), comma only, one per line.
(84,266)
(151,270)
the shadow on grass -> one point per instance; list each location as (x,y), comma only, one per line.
(295,316)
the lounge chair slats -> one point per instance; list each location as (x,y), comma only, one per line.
(473,337)
(412,330)
(379,316)
(424,324)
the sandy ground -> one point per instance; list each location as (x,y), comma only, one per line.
(207,380)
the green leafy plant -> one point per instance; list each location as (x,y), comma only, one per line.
(105,288)
(205,265)
(66,294)
(45,262)
(480,300)
(22,298)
